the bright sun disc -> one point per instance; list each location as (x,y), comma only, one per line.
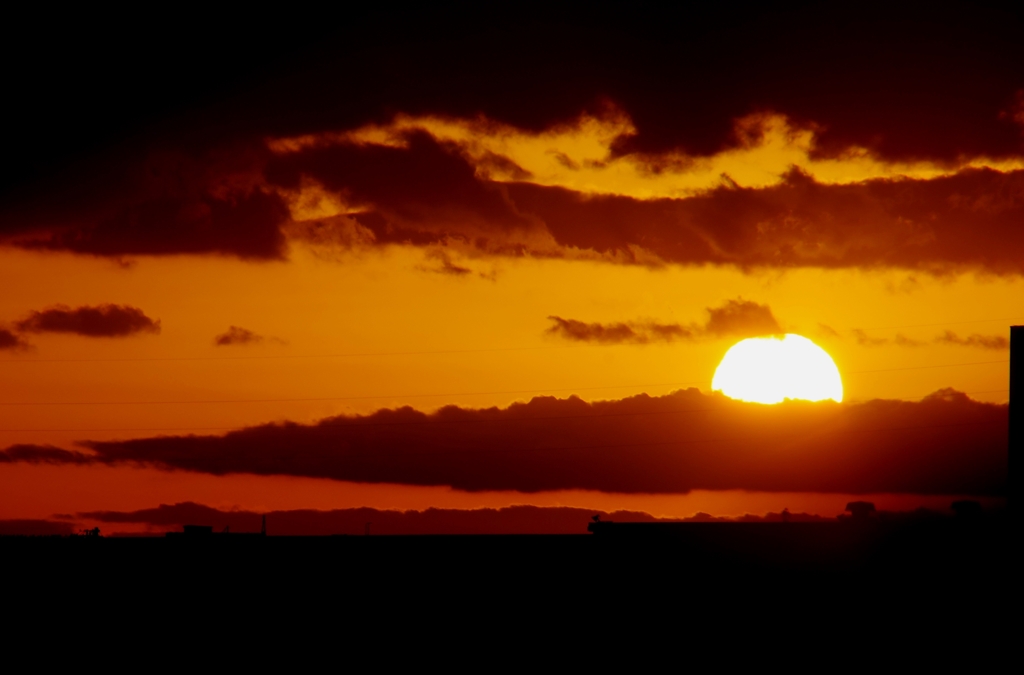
(771,369)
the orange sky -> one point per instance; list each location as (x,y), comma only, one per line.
(379,330)
(417,259)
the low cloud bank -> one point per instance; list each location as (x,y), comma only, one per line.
(687,440)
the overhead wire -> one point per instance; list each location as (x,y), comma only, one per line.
(349,398)
(945,365)
(289,356)
(156,359)
(693,441)
(535,390)
(433,421)
(945,323)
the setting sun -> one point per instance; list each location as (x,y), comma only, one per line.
(771,369)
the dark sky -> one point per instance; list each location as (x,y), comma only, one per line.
(925,80)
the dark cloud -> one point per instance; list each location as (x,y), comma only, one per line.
(306,522)
(237,336)
(881,102)
(904,341)
(430,193)
(615,226)
(448,267)
(963,221)
(491,165)
(741,318)
(158,201)
(944,444)
(827,331)
(948,337)
(929,82)
(100,321)
(975,340)
(865,340)
(427,185)
(735,318)
(246,225)
(35,528)
(11,341)
(445,266)
(935,81)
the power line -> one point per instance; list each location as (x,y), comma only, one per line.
(351,398)
(158,359)
(945,365)
(289,356)
(360,425)
(944,323)
(536,390)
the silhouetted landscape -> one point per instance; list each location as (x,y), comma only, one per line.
(928,567)
(606,326)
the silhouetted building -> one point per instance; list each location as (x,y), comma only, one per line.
(206,531)
(860,511)
(197,530)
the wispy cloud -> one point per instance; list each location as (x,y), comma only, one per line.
(735,318)
(11,341)
(993,342)
(100,321)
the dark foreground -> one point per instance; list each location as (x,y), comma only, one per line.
(617,559)
(933,591)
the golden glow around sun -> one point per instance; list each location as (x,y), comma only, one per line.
(773,368)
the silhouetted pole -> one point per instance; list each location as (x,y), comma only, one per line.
(1016,439)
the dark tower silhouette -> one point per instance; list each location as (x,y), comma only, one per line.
(966,509)
(1016,437)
